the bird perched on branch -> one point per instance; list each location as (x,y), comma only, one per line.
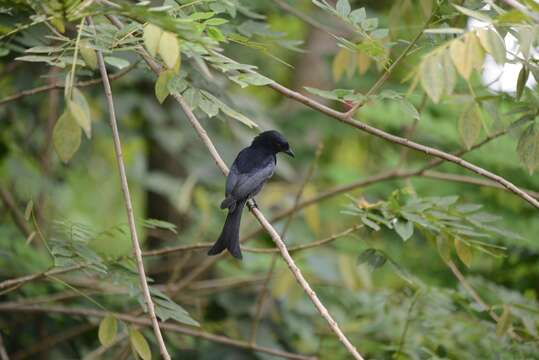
(253,166)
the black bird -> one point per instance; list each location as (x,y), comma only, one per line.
(253,166)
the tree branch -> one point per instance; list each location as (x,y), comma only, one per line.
(344,118)
(129,207)
(56,85)
(146,322)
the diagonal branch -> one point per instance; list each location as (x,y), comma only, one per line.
(137,320)
(129,206)
(344,118)
(56,85)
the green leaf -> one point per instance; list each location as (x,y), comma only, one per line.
(343,8)
(370,223)
(521,81)
(430,69)
(116,62)
(80,110)
(409,109)
(247,79)
(404,228)
(88,54)
(192,97)
(107,330)
(528,148)
(161,85)
(372,257)
(139,344)
(358,15)
(444,250)
(526,36)
(216,34)
(504,322)
(169,49)
(493,43)
(66,136)
(474,14)
(152,35)
(160,224)
(208,106)
(464,252)
(469,125)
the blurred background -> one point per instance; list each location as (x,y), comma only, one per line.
(398,286)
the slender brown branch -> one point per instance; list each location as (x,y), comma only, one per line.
(137,320)
(97,353)
(24,279)
(57,85)
(16,214)
(128,205)
(306,246)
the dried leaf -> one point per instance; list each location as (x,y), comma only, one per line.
(363,63)
(340,63)
(504,322)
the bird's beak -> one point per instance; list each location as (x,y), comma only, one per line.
(289,152)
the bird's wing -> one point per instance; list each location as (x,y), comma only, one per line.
(249,184)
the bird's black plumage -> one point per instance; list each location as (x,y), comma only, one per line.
(253,166)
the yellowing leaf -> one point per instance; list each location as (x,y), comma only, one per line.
(80,110)
(430,70)
(29,209)
(139,344)
(312,213)
(363,63)
(493,43)
(107,330)
(467,55)
(528,148)
(340,63)
(469,125)
(504,322)
(161,85)
(443,248)
(66,136)
(88,54)
(152,35)
(464,252)
(449,73)
(169,49)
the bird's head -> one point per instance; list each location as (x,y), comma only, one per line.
(274,141)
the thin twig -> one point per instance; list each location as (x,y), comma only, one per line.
(16,213)
(24,279)
(57,85)
(128,205)
(97,353)
(137,320)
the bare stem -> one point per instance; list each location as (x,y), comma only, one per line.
(137,320)
(129,207)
